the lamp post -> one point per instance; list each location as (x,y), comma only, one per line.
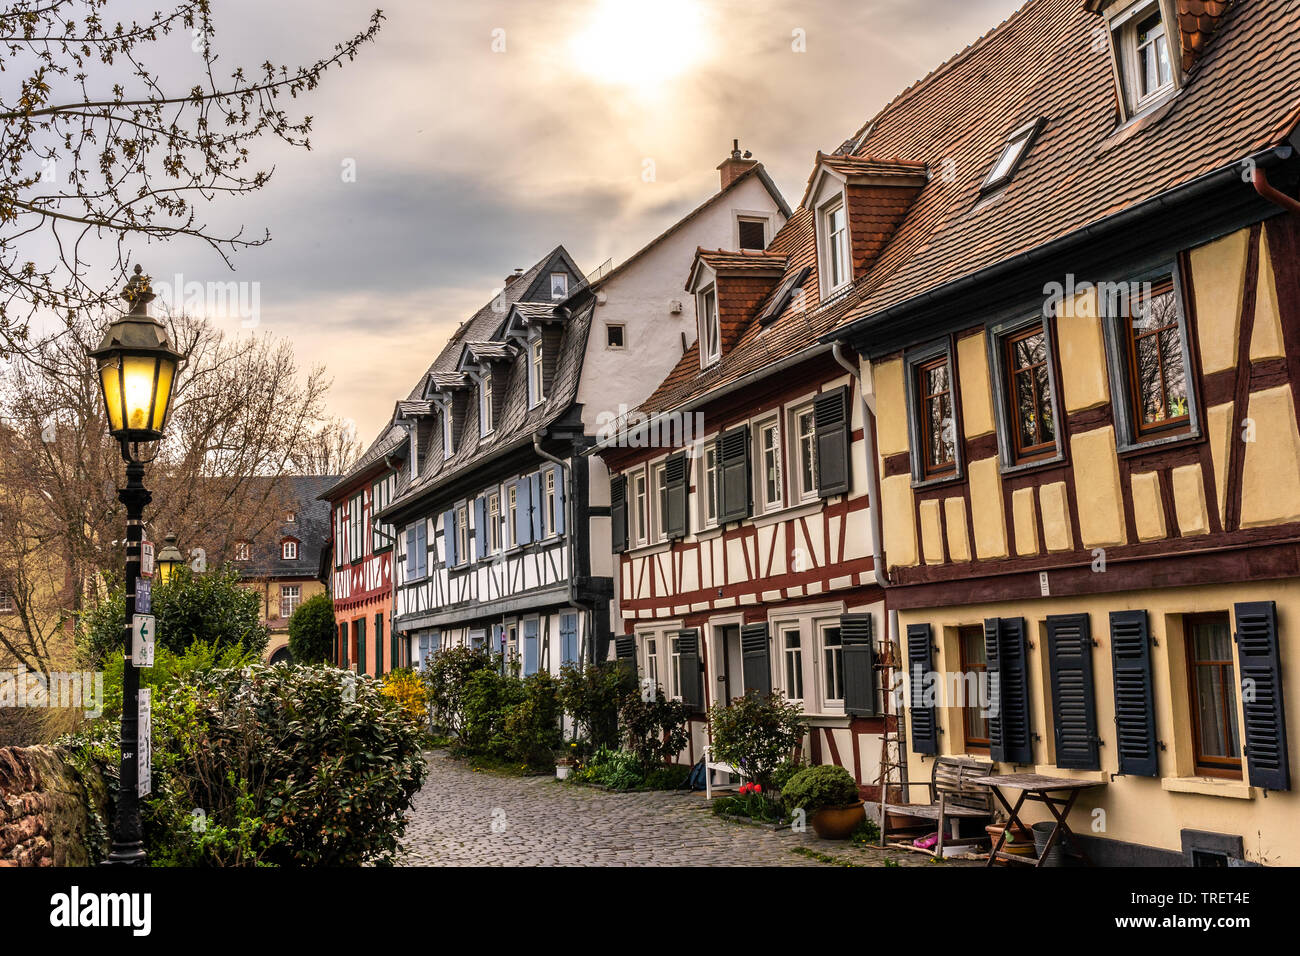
(169,559)
(137,369)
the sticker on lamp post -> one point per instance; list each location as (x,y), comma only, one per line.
(142,634)
(144,749)
(146,559)
(143,596)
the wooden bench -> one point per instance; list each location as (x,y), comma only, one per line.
(953,796)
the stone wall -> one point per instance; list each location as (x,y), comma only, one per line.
(49,813)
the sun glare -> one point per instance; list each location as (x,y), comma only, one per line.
(640,43)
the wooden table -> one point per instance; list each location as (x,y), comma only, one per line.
(1057,793)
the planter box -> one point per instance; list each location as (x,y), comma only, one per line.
(838,823)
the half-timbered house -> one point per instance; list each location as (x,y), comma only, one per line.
(502,519)
(1082,348)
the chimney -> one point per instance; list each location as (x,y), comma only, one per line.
(735,165)
(513,276)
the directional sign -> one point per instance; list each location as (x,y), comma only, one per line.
(142,628)
(146,558)
(143,596)
(144,753)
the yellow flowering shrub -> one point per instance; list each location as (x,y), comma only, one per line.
(405,687)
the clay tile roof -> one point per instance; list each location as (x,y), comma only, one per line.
(749,260)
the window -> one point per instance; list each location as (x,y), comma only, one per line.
(6,600)
(485,422)
(447,449)
(1141,46)
(1027,381)
(640,524)
(769,447)
(804,429)
(548,512)
(615,337)
(832,666)
(675,675)
(242,551)
(356,525)
(417,551)
(1157,375)
(559,285)
(340,536)
(937,431)
(512,497)
(290,517)
(792,651)
(835,245)
(652,659)
(1012,153)
(289,550)
(710,331)
(974,667)
(462,534)
(381,495)
(535,381)
(1213,695)
(494,522)
(751,232)
(659,483)
(709,485)
(290,598)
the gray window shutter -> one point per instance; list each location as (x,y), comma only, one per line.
(859,656)
(677,476)
(1135,715)
(920,662)
(449,538)
(480,528)
(831,426)
(1074,706)
(755,658)
(733,469)
(523,512)
(688,646)
(625,651)
(1261,695)
(535,503)
(1006,648)
(618,513)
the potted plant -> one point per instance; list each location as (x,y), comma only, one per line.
(829,795)
(565,760)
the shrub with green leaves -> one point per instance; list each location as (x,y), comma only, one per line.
(756,734)
(532,726)
(815,788)
(487,697)
(616,769)
(591,695)
(655,730)
(312,631)
(447,677)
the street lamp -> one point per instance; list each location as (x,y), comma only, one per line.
(137,369)
(169,559)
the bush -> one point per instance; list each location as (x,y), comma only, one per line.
(170,668)
(404,686)
(814,788)
(447,678)
(190,607)
(592,695)
(532,726)
(784,771)
(283,765)
(655,730)
(756,734)
(485,700)
(312,631)
(671,776)
(616,769)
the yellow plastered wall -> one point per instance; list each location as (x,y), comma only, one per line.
(1219,279)
(986,509)
(976,394)
(1270,477)
(1084,382)
(1096,482)
(1266,336)
(1141,810)
(954,514)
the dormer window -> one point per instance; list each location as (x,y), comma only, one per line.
(241,551)
(710,330)
(536,393)
(485,416)
(289,550)
(1012,153)
(1141,46)
(834,245)
(559,285)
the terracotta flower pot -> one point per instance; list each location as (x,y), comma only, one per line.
(838,823)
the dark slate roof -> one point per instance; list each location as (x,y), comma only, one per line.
(311,528)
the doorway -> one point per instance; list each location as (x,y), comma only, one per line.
(728,677)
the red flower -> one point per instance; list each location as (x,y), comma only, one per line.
(745,788)
(758,788)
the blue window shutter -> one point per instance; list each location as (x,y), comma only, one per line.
(449,536)
(410,554)
(422,539)
(537,502)
(569,638)
(523,519)
(559,500)
(480,528)
(530,647)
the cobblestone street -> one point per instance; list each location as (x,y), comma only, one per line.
(468,818)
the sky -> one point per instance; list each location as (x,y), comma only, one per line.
(473,137)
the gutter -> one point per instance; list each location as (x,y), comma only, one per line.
(1097,230)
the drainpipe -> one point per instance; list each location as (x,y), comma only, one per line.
(1259,179)
(572,533)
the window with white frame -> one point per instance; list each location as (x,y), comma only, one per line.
(536,393)
(290,517)
(512,510)
(1009,159)
(462,533)
(792,662)
(832,665)
(290,598)
(675,671)
(485,417)
(1141,45)
(559,285)
(6,600)
(356,528)
(381,495)
(447,450)
(709,487)
(751,232)
(548,512)
(242,551)
(638,514)
(494,522)
(804,451)
(710,330)
(834,223)
(289,550)
(651,644)
(769,459)
(615,335)
(659,511)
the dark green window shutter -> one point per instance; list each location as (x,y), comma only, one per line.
(625,651)
(677,475)
(831,426)
(1261,695)
(346,649)
(1007,652)
(1135,713)
(920,662)
(1074,706)
(618,513)
(755,656)
(733,475)
(379,645)
(688,647)
(361,645)
(859,665)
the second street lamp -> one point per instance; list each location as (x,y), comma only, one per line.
(169,559)
(137,369)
